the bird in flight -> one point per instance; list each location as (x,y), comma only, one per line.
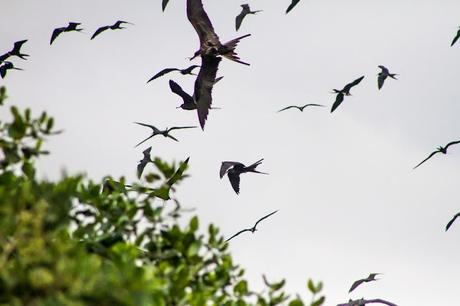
(185,71)
(245,11)
(370,278)
(188,101)
(452,221)
(383,75)
(440,149)
(72,26)
(252,229)
(234,169)
(116,26)
(300,108)
(143,162)
(344,92)
(5,67)
(455,38)
(16,51)
(292,5)
(164,132)
(363,302)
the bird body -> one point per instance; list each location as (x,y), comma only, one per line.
(16,51)
(116,26)
(440,149)
(370,278)
(246,10)
(300,108)
(185,71)
(252,229)
(383,75)
(164,132)
(344,92)
(234,169)
(72,26)
(452,221)
(5,67)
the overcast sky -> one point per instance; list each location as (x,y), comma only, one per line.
(349,202)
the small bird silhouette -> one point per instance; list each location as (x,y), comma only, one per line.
(370,278)
(452,221)
(440,149)
(455,38)
(234,169)
(143,162)
(165,132)
(300,108)
(344,92)
(115,26)
(252,229)
(363,302)
(245,11)
(292,5)
(16,51)
(5,67)
(168,70)
(383,75)
(72,26)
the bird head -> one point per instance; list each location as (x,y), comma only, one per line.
(195,55)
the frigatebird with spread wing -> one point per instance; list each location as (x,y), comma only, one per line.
(440,149)
(252,229)
(116,26)
(234,169)
(164,132)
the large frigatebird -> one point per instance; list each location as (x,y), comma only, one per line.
(72,26)
(164,132)
(300,108)
(383,75)
(234,169)
(252,229)
(5,67)
(440,149)
(344,92)
(246,10)
(188,70)
(370,278)
(116,26)
(16,51)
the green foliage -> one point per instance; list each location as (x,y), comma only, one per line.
(79,242)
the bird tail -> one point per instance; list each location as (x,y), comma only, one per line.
(231,45)
(393,75)
(252,168)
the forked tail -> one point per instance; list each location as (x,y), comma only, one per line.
(231,45)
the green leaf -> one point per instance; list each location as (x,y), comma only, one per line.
(193,224)
(241,288)
(319,301)
(296,302)
(311,286)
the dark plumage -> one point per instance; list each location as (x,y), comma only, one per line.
(292,5)
(164,3)
(234,169)
(363,302)
(5,67)
(72,26)
(16,51)
(440,149)
(383,75)
(165,132)
(344,92)
(300,108)
(185,71)
(115,26)
(245,11)
(370,278)
(252,229)
(457,36)
(452,221)
(143,162)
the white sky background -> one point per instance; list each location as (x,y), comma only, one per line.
(349,202)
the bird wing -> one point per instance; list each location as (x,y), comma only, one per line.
(338,101)
(381,79)
(452,143)
(56,33)
(354,83)
(452,221)
(234,179)
(227,165)
(153,134)
(292,106)
(203,86)
(17,46)
(384,69)
(148,125)
(429,156)
(141,166)
(164,3)
(292,5)
(381,301)
(180,128)
(3,70)
(200,21)
(99,31)
(162,72)
(265,217)
(175,88)
(355,285)
(313,104)
(242,231)
(455,38)
(4,57)
(239,19)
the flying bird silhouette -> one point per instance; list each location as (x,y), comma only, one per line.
(116,26)
(455,38)
(440,149)
(252,229)
(363,302)
(300,108)
(344,92)
(370,278)
(168,70)
(16,51)
(245,11)
(188,101)
(72,26)
(164,132)
(234,169)
(383,75)
(143,162)
(292,5)
(5,67)
(452,221)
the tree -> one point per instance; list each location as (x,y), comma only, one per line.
(78,242)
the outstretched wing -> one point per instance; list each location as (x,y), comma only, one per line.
(227,165)
(455,38)
(265,217)
(200,21)
(338,101)
(99,31)
(292,5)
(56,33)
(148,125)
(380,301)
(348,87)
(452,221)
(381,79)
(239,19)
(164,3)
(452,143)
(203,86)
(429,156)
(234,179)
(162,72)
(355,285)
(175,88)
(292,106)
(242,231)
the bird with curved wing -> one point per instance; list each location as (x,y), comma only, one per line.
(116,26)
(300,108)
(344,92)
(72,26)
(185,71)
(252,229)
(5,67)
(234,169)
(370,278)
(16,51)
(440,149)
(382,76)
(246,10)
(164,132)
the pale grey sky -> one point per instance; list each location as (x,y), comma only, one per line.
(349,202)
